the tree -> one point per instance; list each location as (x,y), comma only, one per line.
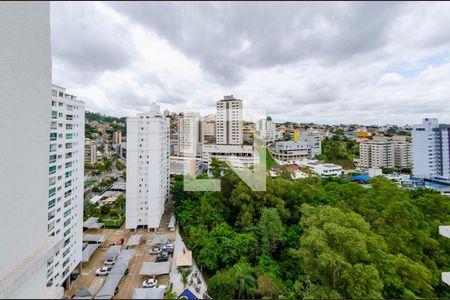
(271,229)
(243,273)
(223,285)
(269,287)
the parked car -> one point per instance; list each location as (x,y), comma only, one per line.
(120,241)
(150,283)
(74,275)
(116,290)
(155,250)
(163,256)
(168,247)
(103,271)
(110,261)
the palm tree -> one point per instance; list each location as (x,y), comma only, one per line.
(246,281)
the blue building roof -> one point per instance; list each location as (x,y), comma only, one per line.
(361,177)
(187,294)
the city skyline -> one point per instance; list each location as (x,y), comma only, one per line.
(326,61)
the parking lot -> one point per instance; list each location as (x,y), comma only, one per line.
(87,278)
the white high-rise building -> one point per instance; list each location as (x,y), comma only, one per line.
(65,184)
(229,121)
(25,89)
(147,168)
(431,149)
(190,135)
(267,129)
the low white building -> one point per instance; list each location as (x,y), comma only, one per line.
(237,155)
(308,145)
(322,169)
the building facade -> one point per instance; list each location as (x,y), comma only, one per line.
(324,170)
(384,153)
(307,145)
(66,183)
(24,121)
(190,135)
(147,168)
(267,129)
(230,136)
(229,121)
(209,129)
(90,152)
(431,149)
(117,137)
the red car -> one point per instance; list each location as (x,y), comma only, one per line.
(120,241)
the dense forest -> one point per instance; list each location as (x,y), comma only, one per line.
(316,238)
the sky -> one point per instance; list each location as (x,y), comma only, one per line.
(328,63)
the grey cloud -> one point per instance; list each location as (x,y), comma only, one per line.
(229,38)
(85,42)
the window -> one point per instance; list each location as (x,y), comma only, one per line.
(52,170)
(53,136)
(52,192)
(67,212)
(51,203)
(68,164)
(54,93)
(68,174)
(69,136)
(52,158)
(54,114)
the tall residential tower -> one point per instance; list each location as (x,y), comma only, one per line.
(66,183)
(147,168)
(25,88)
(431,149)
(229,121)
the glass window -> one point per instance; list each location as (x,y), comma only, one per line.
(54,114)
(52,170)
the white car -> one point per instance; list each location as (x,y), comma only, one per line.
(110,261)
(150,283)
(168,247)
(103,271)
(155,250)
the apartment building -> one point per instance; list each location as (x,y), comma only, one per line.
(117,137)
(229,121)
(25,85)
(66,184)
(306,145)
(384,153)
(267,129)
(90,152)
(147,168)
(190,135)
(209,129)
(431,149)
(229,136)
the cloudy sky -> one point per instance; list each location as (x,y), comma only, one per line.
(368,63)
